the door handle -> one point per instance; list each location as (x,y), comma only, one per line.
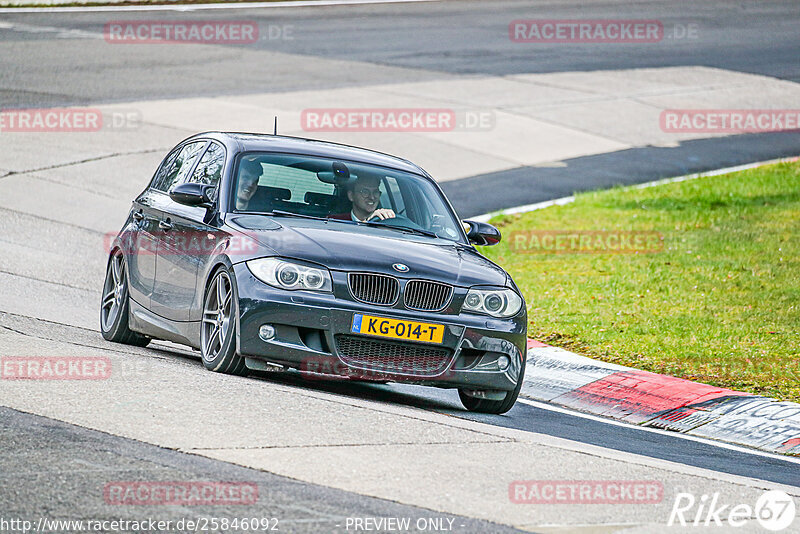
(138,216)
(165,225)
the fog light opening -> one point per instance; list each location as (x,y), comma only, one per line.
(266,332)
(503,362)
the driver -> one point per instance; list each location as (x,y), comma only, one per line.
(249,174)
(365,194)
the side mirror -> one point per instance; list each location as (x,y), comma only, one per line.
(192,194)
(481,233)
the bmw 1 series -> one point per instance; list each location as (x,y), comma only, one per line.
(267,252)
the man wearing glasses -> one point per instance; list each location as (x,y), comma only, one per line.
(365,194)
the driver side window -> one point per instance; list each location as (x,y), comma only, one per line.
(395,197)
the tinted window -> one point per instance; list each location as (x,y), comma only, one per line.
(209,169)
(321,187)
(177,166)
(297,181)
(395,196)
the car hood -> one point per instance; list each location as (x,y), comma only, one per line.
(349,247)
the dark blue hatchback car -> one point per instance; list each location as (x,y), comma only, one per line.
(267,252)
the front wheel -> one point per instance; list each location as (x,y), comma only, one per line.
(218,329)
(115,306)
(475,404)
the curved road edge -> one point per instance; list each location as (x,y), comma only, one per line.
(564,378)
(648,399)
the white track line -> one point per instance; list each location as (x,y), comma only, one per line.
(524,209)
(61,33)
(551,407)
(199,7)
(568,200)
(670,433)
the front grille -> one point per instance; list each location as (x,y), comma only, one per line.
(427,296)
(374,288)
(392,357)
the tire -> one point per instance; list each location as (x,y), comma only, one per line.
(115,305)
(493,406)
(218,327)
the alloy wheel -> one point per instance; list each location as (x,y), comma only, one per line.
(114,291)
(216,317)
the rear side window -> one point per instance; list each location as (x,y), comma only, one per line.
(297,181)
(177,165)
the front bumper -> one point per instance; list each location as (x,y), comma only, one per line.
(308,327)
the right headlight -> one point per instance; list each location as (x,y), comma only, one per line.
(500,302)
(287,274)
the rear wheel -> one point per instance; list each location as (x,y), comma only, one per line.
(115,306)
(475,404)
(218,329)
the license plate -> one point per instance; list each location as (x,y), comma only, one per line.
(397,329)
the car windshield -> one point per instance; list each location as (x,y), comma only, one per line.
(308,186)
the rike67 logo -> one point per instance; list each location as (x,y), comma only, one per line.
(774,510)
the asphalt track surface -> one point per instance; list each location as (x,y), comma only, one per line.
(419,42)
(412,42)
(60,471)
(627,438)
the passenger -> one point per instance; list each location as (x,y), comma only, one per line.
(365,195)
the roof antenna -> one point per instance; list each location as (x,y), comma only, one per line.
(275,132)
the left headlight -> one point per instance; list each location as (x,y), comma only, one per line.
(285,274)
(495,302)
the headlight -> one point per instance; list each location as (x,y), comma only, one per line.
(495,302)
(287,274)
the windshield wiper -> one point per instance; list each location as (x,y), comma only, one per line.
(281,213)
(408,229)
(402,229)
